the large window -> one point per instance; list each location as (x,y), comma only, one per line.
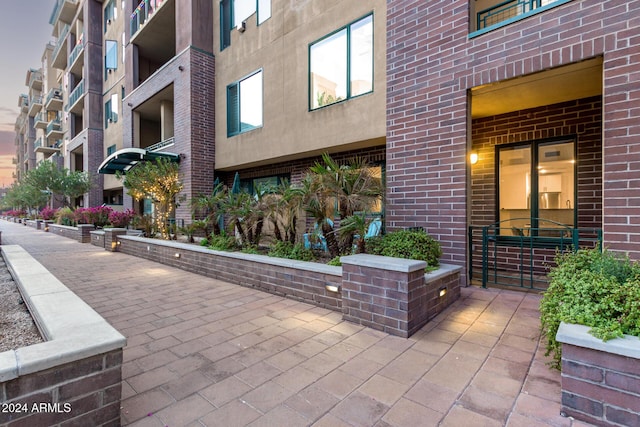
(110,14)
(251,185)
(111,110)
(536,187)
(341,64)
(244,104)
(234,12)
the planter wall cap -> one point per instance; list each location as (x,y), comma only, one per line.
(384,262)
(263,259)
(579,335)
(8,366)
(71,328)
(97,232)
(443,271)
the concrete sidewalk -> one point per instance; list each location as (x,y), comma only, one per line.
(202,352)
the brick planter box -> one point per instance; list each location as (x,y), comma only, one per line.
(600,380)
(75,376)
(391,294)
(81,233)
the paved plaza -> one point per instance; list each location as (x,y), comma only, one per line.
(203,352)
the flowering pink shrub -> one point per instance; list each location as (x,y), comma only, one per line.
(16,213)
(48,213)
(121,219)
(98,215)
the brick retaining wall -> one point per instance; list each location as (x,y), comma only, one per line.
(81,233)
(278,276)
(84,392)
(600,380)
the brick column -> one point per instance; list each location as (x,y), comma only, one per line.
(84,232)
(111,238)
(378,292)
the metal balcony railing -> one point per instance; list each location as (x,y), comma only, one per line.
(76,52)
(37,143)
(54,125)
(35,76)
(507,10)
(160,145)
(36,100)
(54,93)
(76,94)
(61,39)
(142,13)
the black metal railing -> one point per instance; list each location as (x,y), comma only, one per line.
(507,10)
(504,255)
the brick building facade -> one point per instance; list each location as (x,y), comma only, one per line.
(437,66)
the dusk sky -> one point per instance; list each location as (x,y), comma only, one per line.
(24,32)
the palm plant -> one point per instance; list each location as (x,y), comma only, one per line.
(350,188)
(210,209)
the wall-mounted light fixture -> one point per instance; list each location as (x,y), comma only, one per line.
(473,157)
(442,291)
(180,67)
(177,255)
(332,288)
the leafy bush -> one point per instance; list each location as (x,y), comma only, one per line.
(407,244)
(288,250)
(65,216)
(222,242)
(98,216)
(591,288)
(121,219)
(335,262)
(48,214)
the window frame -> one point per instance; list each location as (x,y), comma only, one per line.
(226,25)
(238,115)
(348,96)
(534,208)
(110,63)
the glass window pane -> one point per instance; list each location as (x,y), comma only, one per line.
(362,56)
(515,188)
(225,24)
(556,186)
(233,118)
(264,10)
(329,70)
(242,9)
(111,57)
(251,102)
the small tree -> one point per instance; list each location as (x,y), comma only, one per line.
(158,181)
(61,184)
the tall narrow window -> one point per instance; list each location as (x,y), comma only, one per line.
(226,18)
(536,188)
(110,13)
(107,113)
(110,56)
(341,64)
(264,10)
(244,104)
(114,107)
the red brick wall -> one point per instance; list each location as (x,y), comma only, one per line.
(600,388)
(86,392)
(431,65)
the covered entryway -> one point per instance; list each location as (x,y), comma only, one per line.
(535,174)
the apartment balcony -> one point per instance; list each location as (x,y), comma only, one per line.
(54,100)
(54,129)
(34,80)
(59,55)
(14,161)
(153,30)
(76,58)
(35,105)
(64,11)
(46,149)
(74,104)
(23,103)
(506,12)
(160,146)
(40,121)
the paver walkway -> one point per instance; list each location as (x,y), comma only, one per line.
(202,352)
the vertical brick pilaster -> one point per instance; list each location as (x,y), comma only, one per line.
(376,291)
(111,238)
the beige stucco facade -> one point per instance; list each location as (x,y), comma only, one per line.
(280,48)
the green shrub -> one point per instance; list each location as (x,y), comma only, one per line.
(65,216)
(290,251)
(222,242)
(591,288)
(335,262)
(407,244)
